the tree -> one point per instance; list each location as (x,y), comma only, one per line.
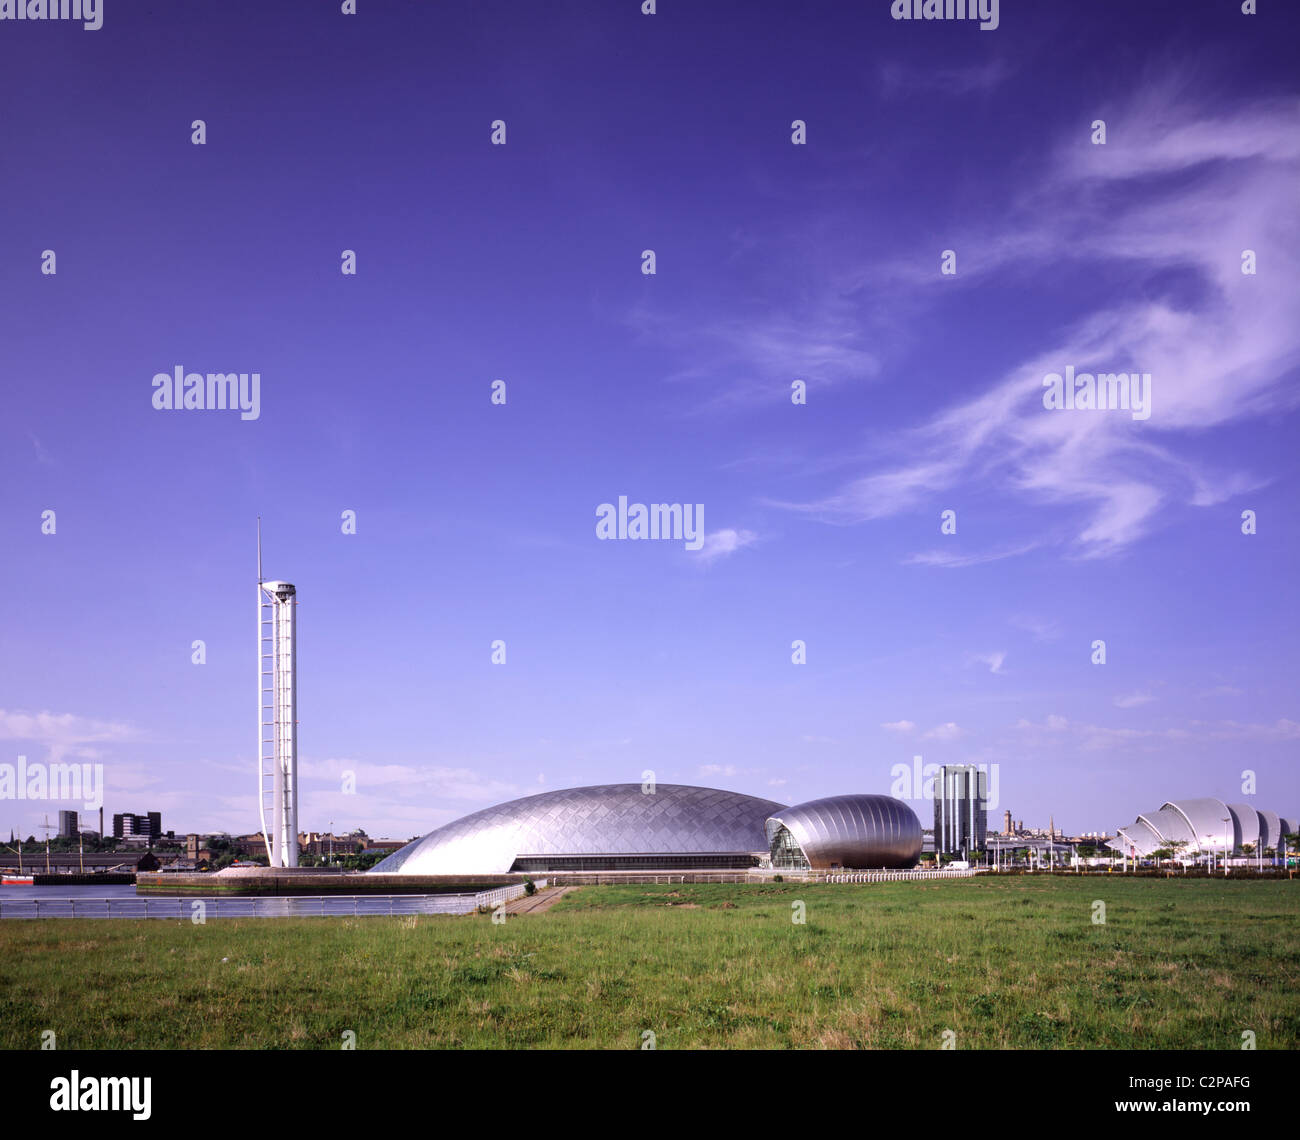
(1291,840)
(1176,849)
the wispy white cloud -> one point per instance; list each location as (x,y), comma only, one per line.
(1217,353)
(427,785)
(1280,729)
(63,734)
(900,726)
(1041,629)
(1133,700)
(898,79)
(952,559)
(42,455)
(1053,723)
(992,660)
(948,731)
(718,770)
(1098,736)
(720,543)
(752,359)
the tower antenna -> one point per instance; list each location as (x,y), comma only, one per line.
(277,715)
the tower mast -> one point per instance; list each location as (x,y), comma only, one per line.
(277,695)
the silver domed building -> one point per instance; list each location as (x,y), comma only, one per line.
(605,827)
(845,831)
(1202,825)
(618,827)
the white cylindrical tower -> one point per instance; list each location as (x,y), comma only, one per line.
(278,720)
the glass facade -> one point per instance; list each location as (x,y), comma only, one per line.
(701,861)
(787,855)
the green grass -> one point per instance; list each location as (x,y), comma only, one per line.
(1013,962)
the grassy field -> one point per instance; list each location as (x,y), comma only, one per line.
(1012,962)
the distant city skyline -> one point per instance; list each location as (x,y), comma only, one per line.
(937,541)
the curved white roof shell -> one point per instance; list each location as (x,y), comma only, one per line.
(1202,824)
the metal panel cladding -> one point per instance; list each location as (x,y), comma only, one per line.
(1248,824)
(1270,830)
(1208,819)
(606,819)
(854,831)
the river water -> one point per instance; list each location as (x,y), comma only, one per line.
(122,902)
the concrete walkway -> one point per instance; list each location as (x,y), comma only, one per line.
(543,900)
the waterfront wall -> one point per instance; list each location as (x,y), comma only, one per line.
(298,882)
(74,879)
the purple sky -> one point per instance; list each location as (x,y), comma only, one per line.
(775,262)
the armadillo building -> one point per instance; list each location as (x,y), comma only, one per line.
(1204,825)
(628,827)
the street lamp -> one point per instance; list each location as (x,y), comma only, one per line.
(1227,845)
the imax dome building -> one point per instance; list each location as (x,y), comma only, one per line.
(620,827)
(1203,825)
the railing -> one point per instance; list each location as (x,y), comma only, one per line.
(894,876)
(620,878)
(504,894)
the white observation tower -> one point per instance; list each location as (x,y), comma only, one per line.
(277,715)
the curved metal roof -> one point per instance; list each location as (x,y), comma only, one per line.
(1206,818)
(1141,835)
(1201,823)
(1248,823)
(1170,824)
(853,831)
(1270,827)
(1124,840)
(602,819)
